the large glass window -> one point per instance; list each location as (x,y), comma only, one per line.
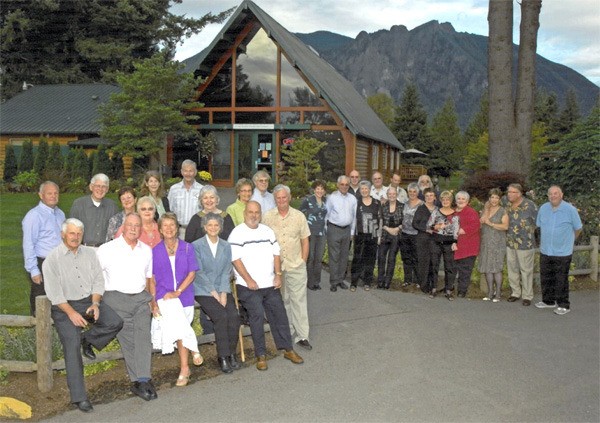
(221,159)
(256,77)
(218,92)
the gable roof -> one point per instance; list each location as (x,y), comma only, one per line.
(339,93)
(55,109)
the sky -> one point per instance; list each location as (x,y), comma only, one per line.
(569,31)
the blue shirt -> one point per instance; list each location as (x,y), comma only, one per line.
(41,234)
(558,226)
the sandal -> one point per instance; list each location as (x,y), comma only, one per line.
(367,287)
(433,293)
(197,359)
(182,380)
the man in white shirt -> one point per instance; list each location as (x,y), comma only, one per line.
(183,196)
(126,263)
(378,190)
(257,265)
(395,182)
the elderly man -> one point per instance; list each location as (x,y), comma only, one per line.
(560,225)
(341,223)
(354,180)
(41,233)
(292,232)
(183,196)
(378,190)
(395,182)
(257,265)
(95,211)
(520,244)
(263,197)
(74,286)
(127,266)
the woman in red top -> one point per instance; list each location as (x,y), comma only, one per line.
(467,245)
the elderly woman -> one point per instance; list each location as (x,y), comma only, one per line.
(127,198)
(391,225)
(315,209)
(427,278)
(149,234)
(243,188)
(444,225)
(494,224)
(174,266)
(467,244)
(208,199)
(212,290)
(153,188)
(368,222)
(408,238)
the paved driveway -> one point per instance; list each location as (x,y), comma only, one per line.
(399,357)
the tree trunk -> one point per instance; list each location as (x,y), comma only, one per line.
(511,119)
(501,105)
(525,99)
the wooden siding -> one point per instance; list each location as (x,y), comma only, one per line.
(362,157)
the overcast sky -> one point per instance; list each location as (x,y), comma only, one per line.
(569,29)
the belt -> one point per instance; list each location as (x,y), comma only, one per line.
(93,245)
(337,226)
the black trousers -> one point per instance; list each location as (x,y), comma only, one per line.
(427,277)
(36,289)
(269,301)
(464,268)
(408,250)
(554,278)
(363,260)
(439,250)
(386,261)
(99,335)
(226,323)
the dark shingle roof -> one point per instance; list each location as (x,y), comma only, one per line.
(55,109)
(339,93)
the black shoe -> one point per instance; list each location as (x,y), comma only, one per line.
(224,364)
(304,344)
(312,288)
(141,390)
(461,295)
(234,363)
(342,285)
(318,287)
(333,288)
(152,390)
(85,406)
(512,299)
(86,349)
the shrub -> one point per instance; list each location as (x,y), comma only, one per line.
(18,344)
(10,164)
(77,185)
(26,161)
(81,167)
(27,181)
(102,163)
(480,183)
(588,206)
(41,157)
(170,182)
(54,163)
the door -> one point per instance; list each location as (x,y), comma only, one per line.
(254,151)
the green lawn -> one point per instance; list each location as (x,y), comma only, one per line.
(14,280)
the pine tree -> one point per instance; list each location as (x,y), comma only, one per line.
(10,164)
(117,169)
(303,163)
(479,123)
(69,162)
(447,149)
(410,124)
(81,167)
(383,105)
(102,162)
(41,157)
(55,162)
(26,162)
(568,117)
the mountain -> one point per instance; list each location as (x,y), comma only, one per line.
(440,61)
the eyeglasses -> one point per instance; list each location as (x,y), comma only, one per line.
(100,186)
(262,180)
(146,208)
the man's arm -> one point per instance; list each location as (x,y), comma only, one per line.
(243,272)
(305,249)
(30,233)
(277,278)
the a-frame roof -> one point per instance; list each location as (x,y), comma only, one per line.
(339,93)
(55,109)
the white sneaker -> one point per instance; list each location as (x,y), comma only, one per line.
(562,311)
(486,299)
(496,300)
(542,304)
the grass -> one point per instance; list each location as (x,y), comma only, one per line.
(14,280)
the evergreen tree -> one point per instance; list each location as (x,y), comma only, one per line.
(41,157)
(447,150)
(303,164)
(10,164)
(91,159)
(81,167)
(26,162)
(568,116)
(384,107)
(479,123)
(54,164)
(102,162)
(410,124)
(69,162)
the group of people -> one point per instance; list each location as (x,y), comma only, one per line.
(137,273)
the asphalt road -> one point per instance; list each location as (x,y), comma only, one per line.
(401,357)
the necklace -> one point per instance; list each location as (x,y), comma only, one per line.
(172,249)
